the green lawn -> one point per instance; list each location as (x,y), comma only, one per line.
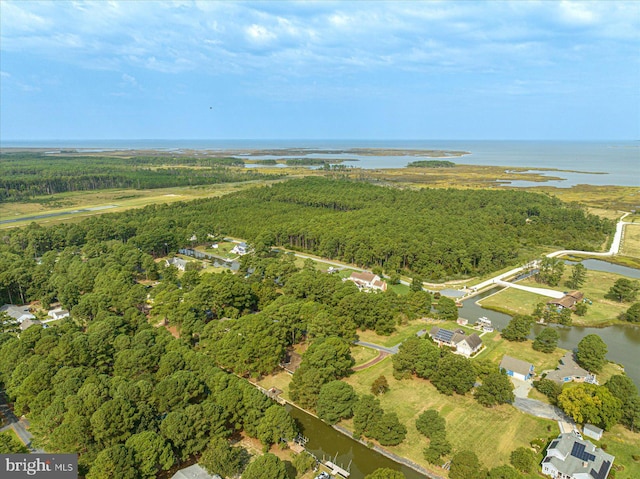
(362,355)
(601,312)
(631,242)
(623,444)
(491,433)
(402,333)
(496,348)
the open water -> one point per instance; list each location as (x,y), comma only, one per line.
(591,162)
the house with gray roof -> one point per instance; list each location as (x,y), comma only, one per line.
(569,370)
(517,368)
(179,263)
(569,457)
(194,472)
(19,313)
(458,340)
(27,323)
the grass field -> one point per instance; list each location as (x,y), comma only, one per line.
(362,355)
(631,241)
(491,433)
(623,444)
(402,333)
(496,348)
(121,199)
(602,312)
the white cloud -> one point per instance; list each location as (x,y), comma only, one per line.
(579,13)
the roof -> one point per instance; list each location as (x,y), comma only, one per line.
(581,457)
(17,312)
(440,334)
(29,322)
(594,429)
(177,261)
(578,295)
(193,472)
(364,276)
(473,341)
(567,368)
(568,300)
(516,365)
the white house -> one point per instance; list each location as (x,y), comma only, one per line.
(58,313)
(517,368)
(460,342)
(569,457)
(19,313)
(240,248)
(368,281)
(179,263)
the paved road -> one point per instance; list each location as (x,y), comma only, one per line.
(18,425)
(541,291)
(391,350)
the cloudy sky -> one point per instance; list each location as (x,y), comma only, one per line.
(319,69)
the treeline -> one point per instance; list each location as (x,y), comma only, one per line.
(25,176)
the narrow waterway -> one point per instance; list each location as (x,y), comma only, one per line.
(623,341)
(326,441)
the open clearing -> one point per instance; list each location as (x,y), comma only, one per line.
(631,241)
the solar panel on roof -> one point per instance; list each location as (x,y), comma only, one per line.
(579,452)
(602,473)
(553,444)
(445,335)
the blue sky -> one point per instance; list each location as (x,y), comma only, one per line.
(319,69)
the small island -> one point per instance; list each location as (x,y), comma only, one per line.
(431,164)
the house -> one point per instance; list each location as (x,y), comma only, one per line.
(516,368)
(368,281)
(469,345)
(194,472)
(569,457)
(462,321)
(19,313)
(30,322)
(240,248)
(592,431)
(458,340)
(58,313)
(568,301)
(179,263)
(568,370)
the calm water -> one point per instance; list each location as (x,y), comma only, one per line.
(617,161)
(623,341)
(326,441)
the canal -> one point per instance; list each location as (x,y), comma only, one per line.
(326,441)
(623,341)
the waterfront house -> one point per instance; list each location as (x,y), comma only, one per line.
(570,457)
(240,249)
(516,368)
(568,301)
(568,370)
(457,340)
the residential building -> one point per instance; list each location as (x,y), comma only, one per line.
(29,322)
(179,263)
(194,472)
(517,368)
(240,249)
(368,281)
(568,370)
(457,340)
(19,313)
(570,457)
(568,301)
(58,313)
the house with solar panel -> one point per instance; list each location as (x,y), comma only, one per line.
(457,340)
(570,457)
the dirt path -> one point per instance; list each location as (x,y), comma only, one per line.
(381,355)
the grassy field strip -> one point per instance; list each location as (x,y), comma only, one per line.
(631,241)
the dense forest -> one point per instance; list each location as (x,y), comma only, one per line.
(26,175)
